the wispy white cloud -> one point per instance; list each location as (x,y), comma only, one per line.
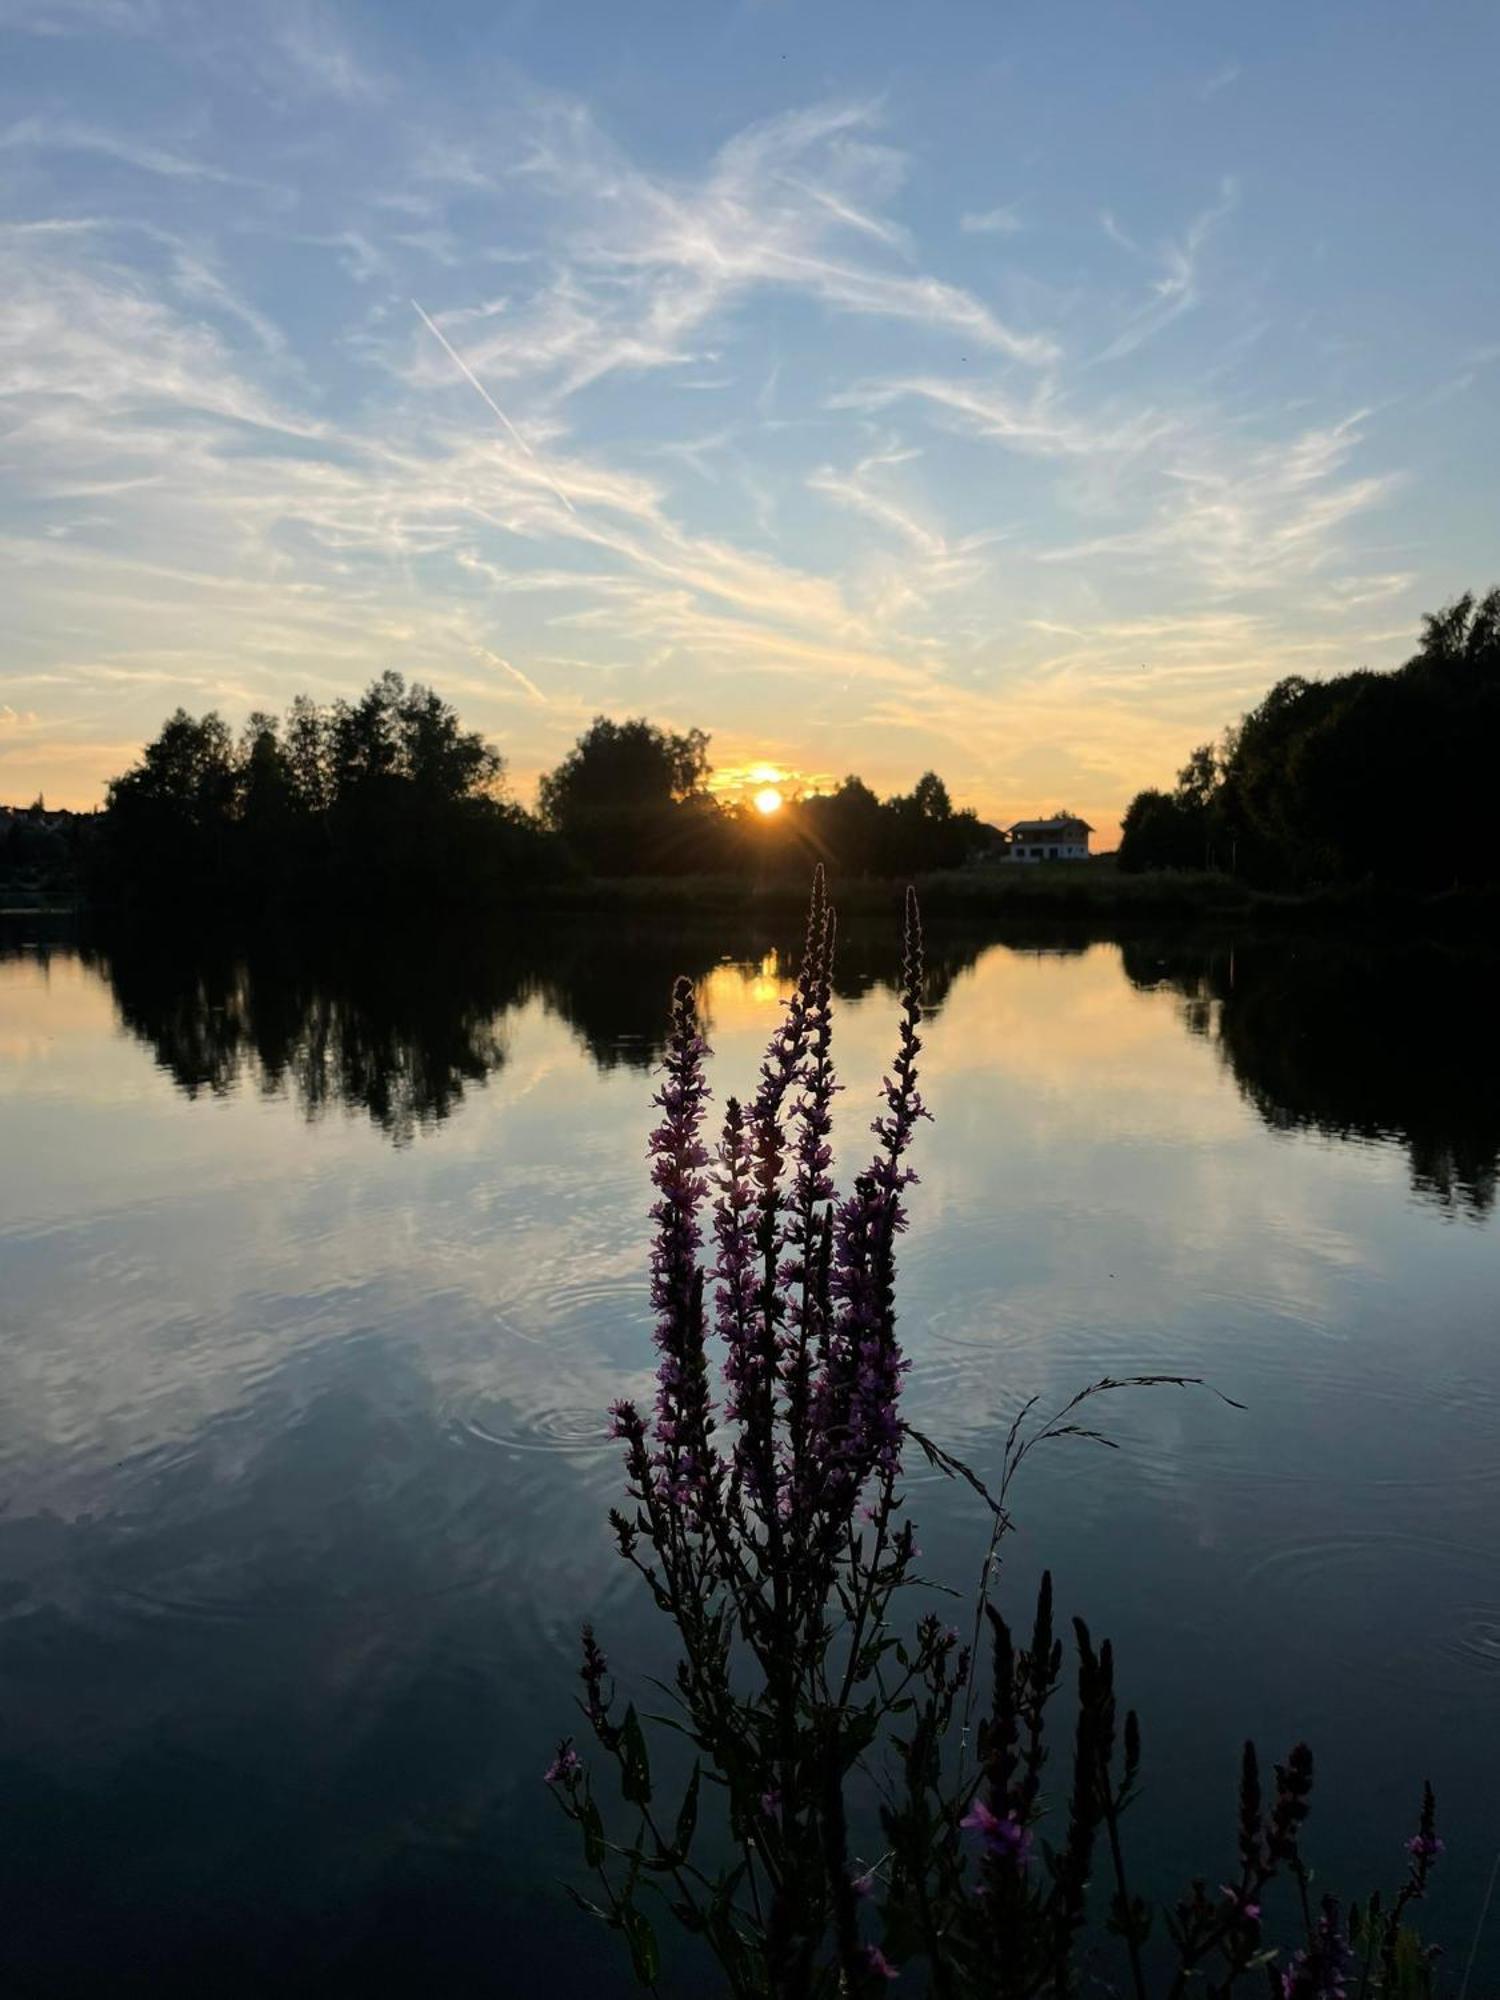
(1004,221)
(243,465)
(80,17)
(1247,518)
(321,58)
(43,134)
(202,282)
(649,265)
(1176,291)
(86,342)
(1040,423)
(1220,80)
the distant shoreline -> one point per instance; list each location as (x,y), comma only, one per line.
(1081,892)
(1085,891)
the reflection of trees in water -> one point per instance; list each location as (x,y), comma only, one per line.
(397,1030)
(1358,1041)
(611,983)
(1350,1039)
(401,1026)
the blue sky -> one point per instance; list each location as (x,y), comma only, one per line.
(1015,390)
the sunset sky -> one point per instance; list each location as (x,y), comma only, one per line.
(1012,389)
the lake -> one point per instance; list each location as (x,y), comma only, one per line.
(319,1268)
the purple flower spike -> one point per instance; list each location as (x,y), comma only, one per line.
(684,1420)
(855,1418)
(735,1275)
(1321,1972)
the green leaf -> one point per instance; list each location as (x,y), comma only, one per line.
(589,1909)
(687,1818)
(644,1956)
(593,1832)
(635,1765)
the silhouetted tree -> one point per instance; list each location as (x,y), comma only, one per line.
(364,803)
(387,798)
(171,813)
(1379,777)
(629,799)
(855,833)
(844,828)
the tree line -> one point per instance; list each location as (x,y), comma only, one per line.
(1366,777)
(389,798)
(1370,777)
(385,796)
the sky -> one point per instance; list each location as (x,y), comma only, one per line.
(1012,390)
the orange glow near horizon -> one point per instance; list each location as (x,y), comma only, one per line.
(768,800)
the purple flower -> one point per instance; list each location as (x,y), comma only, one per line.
(877,1964)
(1242,1910)
(770,1802)
(566,1767)
(1005,1839)
(1426,1846)
(1321,1971)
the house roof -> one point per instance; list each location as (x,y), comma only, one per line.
(1054,825)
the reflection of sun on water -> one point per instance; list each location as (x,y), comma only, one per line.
(737,996)
(768,800)
(765,984)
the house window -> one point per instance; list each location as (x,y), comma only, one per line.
(1051,853)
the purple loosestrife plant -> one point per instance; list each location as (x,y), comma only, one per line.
(766,1519)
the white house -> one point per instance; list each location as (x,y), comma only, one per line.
(1061,838)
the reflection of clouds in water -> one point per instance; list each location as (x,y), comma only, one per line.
(299,1432)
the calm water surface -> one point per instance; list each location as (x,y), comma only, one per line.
(315,1276)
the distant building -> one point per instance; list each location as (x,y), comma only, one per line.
(1064,837)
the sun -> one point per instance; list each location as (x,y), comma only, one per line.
(768,800)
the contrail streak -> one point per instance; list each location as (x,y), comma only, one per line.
(458,361)
(499,660)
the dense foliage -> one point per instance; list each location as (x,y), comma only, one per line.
(909,834)
(767,1519)
(1368,777)
(382,799)
(389,799)
(631,799)
(42,851)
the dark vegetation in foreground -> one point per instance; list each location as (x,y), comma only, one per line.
(875,1795)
